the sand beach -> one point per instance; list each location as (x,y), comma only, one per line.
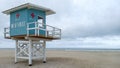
(65,59)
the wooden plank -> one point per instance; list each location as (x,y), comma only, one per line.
(22,37)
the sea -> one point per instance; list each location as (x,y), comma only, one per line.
(84,49)
(75,49)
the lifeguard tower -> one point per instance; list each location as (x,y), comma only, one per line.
(28,28)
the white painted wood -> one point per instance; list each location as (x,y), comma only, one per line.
(44,51)
(16,51)
(7,32)
(27,30)
(4,32)
(38,57)
(38,30)
(22,50)
(35,28)
(30,52)
(55,31)
(49,30)
(32,47)
(29,6)
(23,57)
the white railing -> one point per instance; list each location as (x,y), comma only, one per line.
(50,31)
(7,32)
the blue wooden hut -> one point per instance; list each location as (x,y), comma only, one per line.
(30,20)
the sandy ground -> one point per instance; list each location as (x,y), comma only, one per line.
(65,59)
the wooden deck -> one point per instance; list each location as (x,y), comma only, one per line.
(52,33)
(23,37)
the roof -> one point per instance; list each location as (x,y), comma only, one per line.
(30,6)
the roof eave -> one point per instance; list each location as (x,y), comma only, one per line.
(29,6)
(14,9)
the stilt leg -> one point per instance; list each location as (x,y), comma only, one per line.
(16,51)
(44,52)
(30,52)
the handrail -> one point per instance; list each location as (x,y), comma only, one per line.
(44,25)
(7,32)
(50,31)
(46,29)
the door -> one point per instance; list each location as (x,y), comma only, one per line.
(40,22)
(41,26)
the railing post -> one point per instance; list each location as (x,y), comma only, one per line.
(4,32)
(53,32)
(38,28)
(46,32)
(28,29)
(35,29)
(60,33)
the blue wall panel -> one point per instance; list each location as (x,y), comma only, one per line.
(18,21)
(36,13)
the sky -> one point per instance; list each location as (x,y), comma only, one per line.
(84,23)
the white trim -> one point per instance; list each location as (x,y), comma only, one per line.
(30,52)
(44,51)
(49,30)
(30,6)
(55,32)
(16,51)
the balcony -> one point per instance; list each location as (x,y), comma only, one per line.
(50,32)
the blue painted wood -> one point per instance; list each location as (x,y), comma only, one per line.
(20,18)
(36,14)
(18,24)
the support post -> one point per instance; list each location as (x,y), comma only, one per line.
(44,51)
(30,52)
(16,51)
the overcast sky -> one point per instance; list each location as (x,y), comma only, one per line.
(84,23)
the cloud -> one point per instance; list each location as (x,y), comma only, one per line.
(85,18)
(94,18)
(88,42)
